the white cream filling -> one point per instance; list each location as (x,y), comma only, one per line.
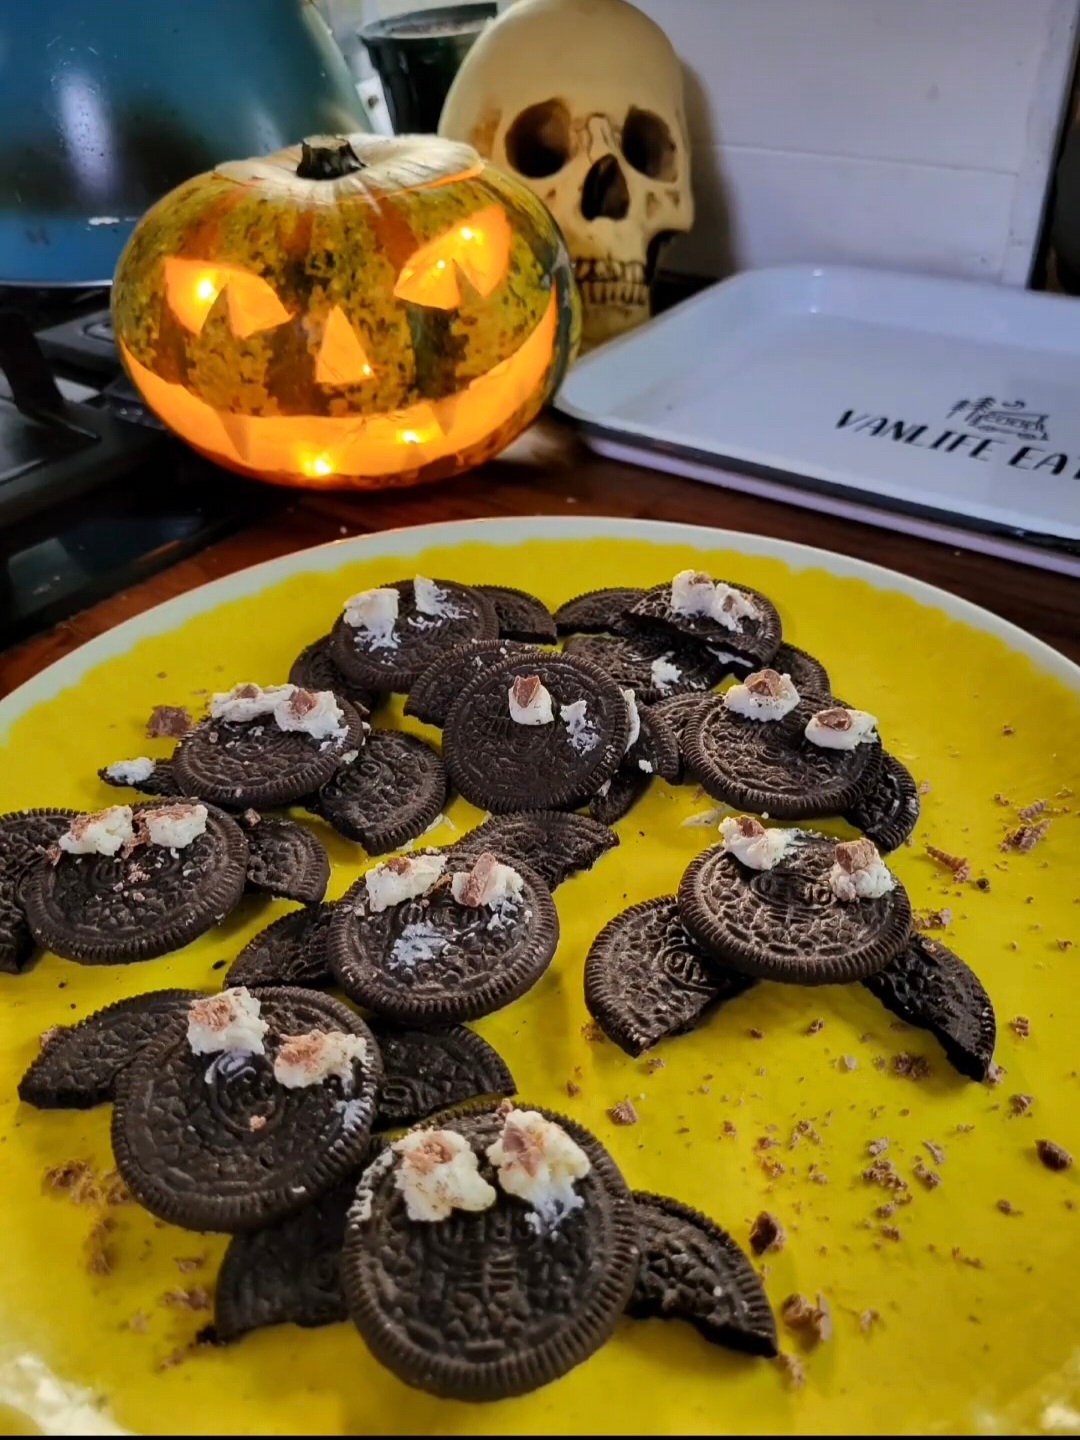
(229,1021)
(403,878)
(760,849)
(174,826)
(537,1161)
(102,834)
(664,674)
(862,730)
(131,772)
(438,1172)
(374,613)
(581,731)
(310,1059)
(696,594)
(534,711)
(632,716)
(432,600)
(743,700)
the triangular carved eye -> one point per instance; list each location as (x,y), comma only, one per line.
(193,286)
(478,248)
(341,359)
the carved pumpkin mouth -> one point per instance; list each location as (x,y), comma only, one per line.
(395,443)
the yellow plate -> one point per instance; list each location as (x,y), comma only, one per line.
(977,1309)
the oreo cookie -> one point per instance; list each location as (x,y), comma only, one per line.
(285,859)
(787,923)
(286,1274)
(79,1064)
(888,811)
(390,793)
(646,978)
(806,673)
(503,765)
(692,1270)
(650,666)
(291,951)
(554,843)
(25,837)
(656,749)
(161,781)
(432,960)
(140,902)
(487,1304)
(216,1142)
(597,612)
(429,1070)
(521,616)
(769,766)
(680,712)
(754,636)
(928,986)
(393,656)
(432,694)
(254,763)
(618,796)
(314,669)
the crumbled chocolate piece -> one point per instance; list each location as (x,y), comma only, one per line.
(190,1297)
(1008,1208)
(1032,811)
(187,1263)
(592,1032)
(168,722)
(868,1319)
(793,1370)
(957,864)
(1052,1155)
(885,1174)
(878,1147)
(972,1261)
(983,884)
(1020,1104)
(767,1234)
(911,1067)
(812,1323)
(995,1074)
(815,1027)
(932,919)
(847,1062)
(654,1063)
(1020,1025)
(572,1088)
(623,1113)
(925,1176)
(891,1232)
(936,1153)
(1025,837)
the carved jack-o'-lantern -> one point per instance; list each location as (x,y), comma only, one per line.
(358,311)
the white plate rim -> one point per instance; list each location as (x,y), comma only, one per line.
(507,532)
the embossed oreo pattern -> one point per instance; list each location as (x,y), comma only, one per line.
(597,612)
(429,1070)
(757,638)
(103,909)
(554,843)
(692,1270)
(928,986)
(433,961)
(769,765)
(625,788)
(421,638)
(25,835)
(182,1132)
(480,1306)
(786,923)
(646,979)
(390,794)
(291,951)
(255,763)
(887,811)
(502,766)
(287,860)
(79,1065)
(432,694)
(521,616)
(628,659)
(680,711)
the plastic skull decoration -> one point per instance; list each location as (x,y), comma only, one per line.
(583,101)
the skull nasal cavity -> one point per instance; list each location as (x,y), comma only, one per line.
(538,142)
(604,192)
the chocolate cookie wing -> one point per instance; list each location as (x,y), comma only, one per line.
(433,961)
(161,780)
(79,1064)
(429,1070)
(888,810)
(755,636)
(786,923)
(652,666)
(483,1305)
(618,796)
(656,750)
(554,843)
(285,859)
(288,1273)
(432,694)
(216,1142)
(521,616)
(25,836)
(390,793)
(502,765)
(291,951)
(314,669)
(646,978)
(680,712)
(597,612)
(928,986)
(109,909)
(692,1270)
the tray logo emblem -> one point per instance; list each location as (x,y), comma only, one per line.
(1010,418)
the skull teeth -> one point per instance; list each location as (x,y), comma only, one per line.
(628,272)
(613,292)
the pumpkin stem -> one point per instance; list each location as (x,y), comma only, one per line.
(328,160)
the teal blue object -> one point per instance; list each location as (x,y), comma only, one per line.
(107,104)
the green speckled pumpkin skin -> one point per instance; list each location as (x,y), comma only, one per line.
(341,245)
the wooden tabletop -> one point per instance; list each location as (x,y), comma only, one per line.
(549,472)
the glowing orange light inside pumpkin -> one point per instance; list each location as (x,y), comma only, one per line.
(479,249)
(192,288)
(321,446)
(341,359)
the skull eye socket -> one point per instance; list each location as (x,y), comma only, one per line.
(648,145)
(538,142)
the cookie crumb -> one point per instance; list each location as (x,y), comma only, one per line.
(623,1113)
(982,883)
(1053,1156)
(728,1128)
(1065,944)
(1032,811)
(592,1032)
(925,1176)
(936,1152)
(1008,1208)
(878,1147)
(924,787)
(1000,799)
(891,1232)
(100,1251)
(932,919)
(957,864)
(168,722)
(995,1074)
(885,1212)
(188,1297)
(1025,837)
(257,1122)
(885,1174)
(868,1319)
(1007,730)
(767,1234)
(1020,1025)
(812,1323)
(756,1034)
(139,1323)
(963,1129)
(773,1168)
(572,1088)
(792,1369)
(815,1027)
(653,1064)
(972,1261)
(911,1067)
(847,1062)
(1020,1104)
